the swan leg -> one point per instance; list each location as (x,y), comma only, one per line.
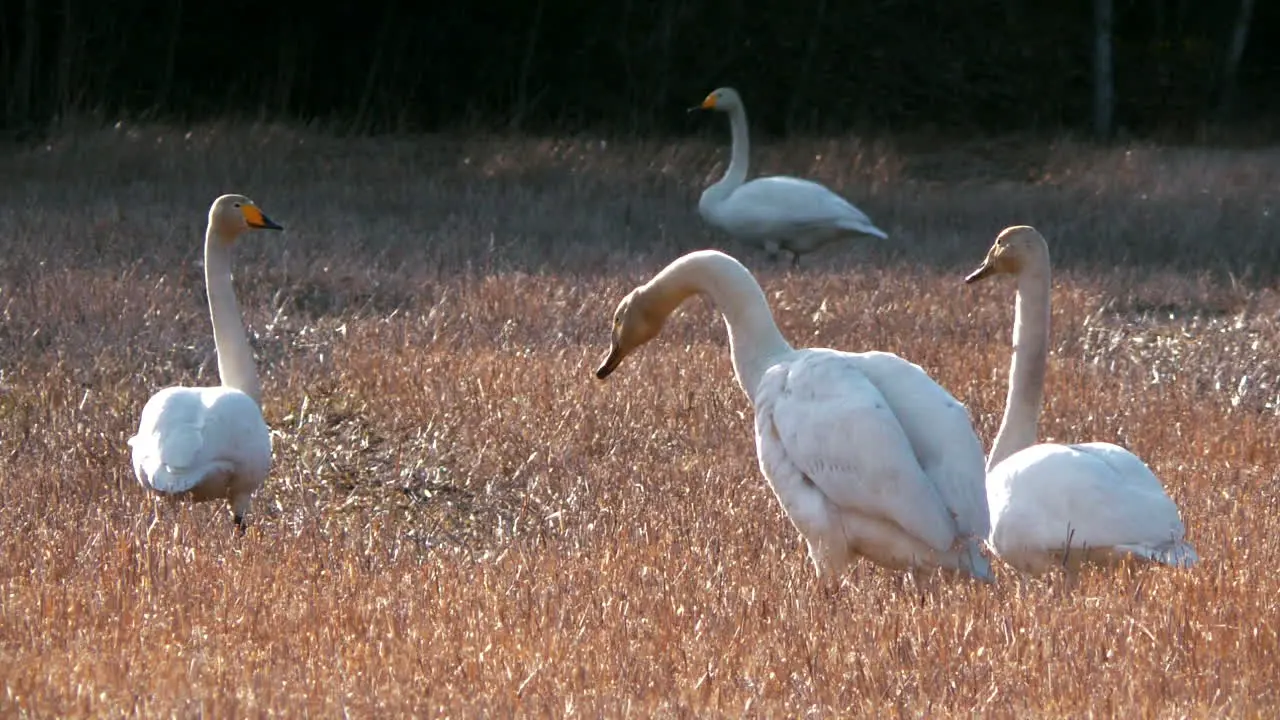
(155,517)
(773,250)
(922,581)
(906,584)
(828,584)
(239,509)
(830,567)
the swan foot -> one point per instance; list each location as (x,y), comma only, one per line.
(239,509)
(919,583)
(155,521)
(158,504)
(829,586)
(776,254)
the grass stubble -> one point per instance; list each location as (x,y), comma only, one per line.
(462,520)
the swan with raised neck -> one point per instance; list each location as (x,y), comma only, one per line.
(1054,505)
(230,216)
(1022,252)
(208,443)
(778,213)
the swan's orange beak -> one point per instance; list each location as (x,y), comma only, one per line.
(257,219)
(708,104)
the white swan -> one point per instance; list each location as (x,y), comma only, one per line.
(211,442)
(866,453)
(776,213)
(1057,504)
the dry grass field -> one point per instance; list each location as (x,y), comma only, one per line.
(462,521)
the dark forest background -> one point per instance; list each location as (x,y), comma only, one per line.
(632,66)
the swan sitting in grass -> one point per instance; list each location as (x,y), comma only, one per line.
(777,213)
(867,454)
(1062,505)
(209,443)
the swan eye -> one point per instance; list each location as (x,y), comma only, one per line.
(237,204)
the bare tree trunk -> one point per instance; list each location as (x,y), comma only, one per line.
(1104,91)
(19,105)
(1231,68)
(806,67)
(66,61)
(623,43)
(659,99)
(286,70)
(171,55)
(360,124)
(6,57)
(526,68)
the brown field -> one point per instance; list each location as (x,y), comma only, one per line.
(462,521)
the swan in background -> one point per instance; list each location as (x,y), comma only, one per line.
(867,454)
(1096,499)
(207,443)
(776,213)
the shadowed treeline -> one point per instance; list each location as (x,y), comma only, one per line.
(632,66)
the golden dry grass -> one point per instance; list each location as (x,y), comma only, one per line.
(461,520)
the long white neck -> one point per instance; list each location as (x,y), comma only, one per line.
(737,172)
(755,343)
(235,357)
(1027,370)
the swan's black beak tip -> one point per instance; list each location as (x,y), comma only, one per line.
(979,274)
(609,364)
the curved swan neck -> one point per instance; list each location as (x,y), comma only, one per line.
(235,358)
(1022,406)
(754,340)
(736,174)
(740,149)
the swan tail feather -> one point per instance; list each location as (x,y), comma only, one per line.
(1179,554)
(974,563)
(168,480)
(863,228)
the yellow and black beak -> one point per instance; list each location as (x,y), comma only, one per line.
(610,362)
(257,219)
(708,104)
(987,270)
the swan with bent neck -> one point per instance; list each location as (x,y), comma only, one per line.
(210,443)
(866,453)
(778,213)
(1058,505)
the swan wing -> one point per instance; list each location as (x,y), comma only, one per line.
(1095,495)
(822,424)
(187,434)
(941,435)
(778,205)
(1129,469)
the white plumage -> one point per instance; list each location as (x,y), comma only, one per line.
(776,213)
(865,452)
(1098,497)
(212,443)
(1055,505)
